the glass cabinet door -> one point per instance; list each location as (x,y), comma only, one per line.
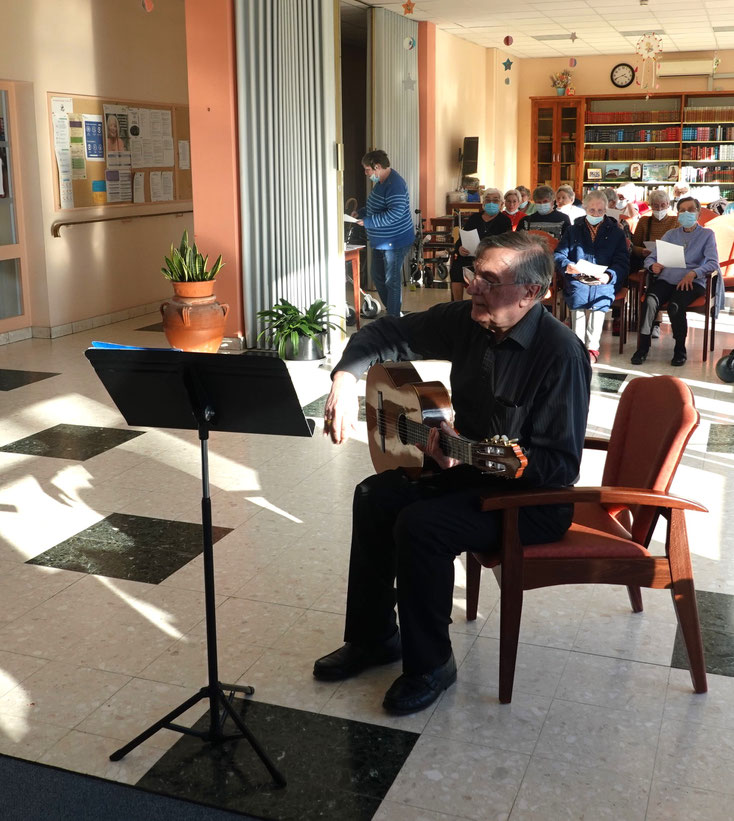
(11,257)
(568,154)
(544,135)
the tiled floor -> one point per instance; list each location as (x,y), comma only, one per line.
(102,631)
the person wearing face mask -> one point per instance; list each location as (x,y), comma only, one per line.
(565,197)
(512,207)
(651,227)
(545,218)
(598,239)
(390,228)
(679,287)
(488,222)
(525,206)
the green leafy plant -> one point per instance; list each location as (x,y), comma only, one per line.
(285,322)
(186,264)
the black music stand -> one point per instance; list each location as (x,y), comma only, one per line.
(201,391)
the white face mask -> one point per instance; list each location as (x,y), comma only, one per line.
(512,212)
(660,214)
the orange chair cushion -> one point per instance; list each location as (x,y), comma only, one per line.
(581,542)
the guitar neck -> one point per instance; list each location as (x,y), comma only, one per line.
(453,446)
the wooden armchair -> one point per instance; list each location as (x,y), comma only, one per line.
(608,541)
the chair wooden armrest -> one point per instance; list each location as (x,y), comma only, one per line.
(621,496)
(595,443)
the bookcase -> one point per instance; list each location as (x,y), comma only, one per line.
(652,140)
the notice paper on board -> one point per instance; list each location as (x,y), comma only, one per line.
(470,241)
(670,255)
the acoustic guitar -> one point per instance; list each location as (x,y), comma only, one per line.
(401,410)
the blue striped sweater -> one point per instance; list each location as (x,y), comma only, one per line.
(387,214)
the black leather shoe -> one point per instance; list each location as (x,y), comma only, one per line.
(352,659)
(408,694)
(679,358)
(638,357)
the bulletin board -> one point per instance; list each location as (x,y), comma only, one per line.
(92,185)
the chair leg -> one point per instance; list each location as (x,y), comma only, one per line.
(510,603)
(712,346)
(473,578)
(684,599)
(635,594)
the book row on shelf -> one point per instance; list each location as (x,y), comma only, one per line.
(626,154)
(708,114)
(704,193)
(595,117)
(705,152)
(708,133)
(701,175)
(633,135)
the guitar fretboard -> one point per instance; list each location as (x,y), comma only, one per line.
(416,433)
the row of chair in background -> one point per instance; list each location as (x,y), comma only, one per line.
(629,298)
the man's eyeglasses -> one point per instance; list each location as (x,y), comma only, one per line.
(472,277)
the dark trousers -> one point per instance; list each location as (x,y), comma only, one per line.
(411,531)
(659,293)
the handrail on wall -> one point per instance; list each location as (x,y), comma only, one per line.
(59,224)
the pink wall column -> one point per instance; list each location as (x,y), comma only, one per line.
(211,60)
(427,117)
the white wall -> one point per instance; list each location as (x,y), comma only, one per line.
(104,49)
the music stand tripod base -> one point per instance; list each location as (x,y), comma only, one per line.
(192,391)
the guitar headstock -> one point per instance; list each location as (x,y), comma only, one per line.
(501,456)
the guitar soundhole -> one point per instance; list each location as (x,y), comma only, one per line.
(403,428)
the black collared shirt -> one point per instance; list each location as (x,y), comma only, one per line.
(532,386)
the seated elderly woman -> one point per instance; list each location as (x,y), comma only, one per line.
(678,286)
(487,222)
(525,205)
(565,196)
(597,239)
(512,207)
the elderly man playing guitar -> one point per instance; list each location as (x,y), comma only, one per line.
(516,371)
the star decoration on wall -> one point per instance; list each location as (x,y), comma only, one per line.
(408,7)
(574,37)
(507,64)
(409,83)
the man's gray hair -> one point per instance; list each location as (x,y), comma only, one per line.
(659,195)
(611,196)
(595,195)
(544,192)
(533,265)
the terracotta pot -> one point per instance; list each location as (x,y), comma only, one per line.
(193,320)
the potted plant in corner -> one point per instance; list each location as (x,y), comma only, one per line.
(193,320)
(297,334)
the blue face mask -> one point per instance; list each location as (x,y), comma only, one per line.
(544,207)
(687,218)
(593,220)
(374,178)
(491,208)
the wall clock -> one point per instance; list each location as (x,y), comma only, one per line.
(623,75)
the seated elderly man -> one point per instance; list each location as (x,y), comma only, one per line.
(545,218)
(515,370)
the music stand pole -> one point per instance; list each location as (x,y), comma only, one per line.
(214,690)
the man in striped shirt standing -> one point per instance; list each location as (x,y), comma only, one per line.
(389,227)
